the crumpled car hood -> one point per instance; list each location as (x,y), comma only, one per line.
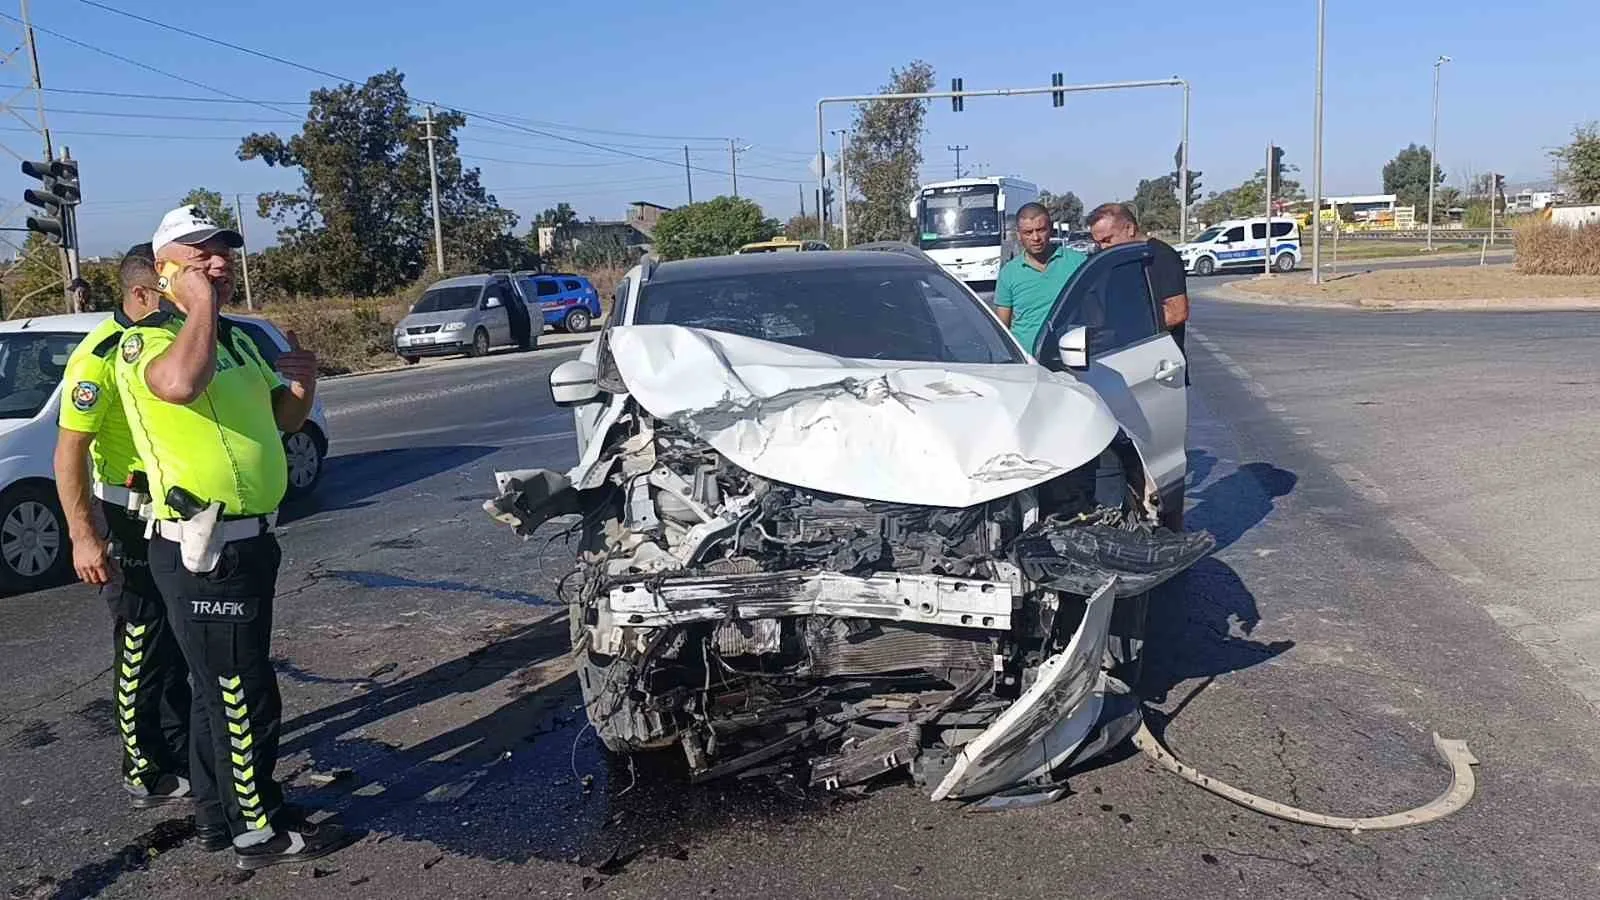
(930,434)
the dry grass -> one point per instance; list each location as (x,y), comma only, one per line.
(1379,249)
(1474,286)
(1544,248)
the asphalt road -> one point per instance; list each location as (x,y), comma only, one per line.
(1387,490)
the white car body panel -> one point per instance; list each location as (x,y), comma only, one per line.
(1051,719)
(916,433)
(1143,386)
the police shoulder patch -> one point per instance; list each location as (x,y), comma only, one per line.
(85,394)
(132,346)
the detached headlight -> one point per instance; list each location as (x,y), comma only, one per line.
(454,326)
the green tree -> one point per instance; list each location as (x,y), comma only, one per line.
(212,204)
(1581,159)
(713,228)
(1155,203)
(805,228)
(33,286)
(1177,176)
(361,221)
(885,154)
(561,217)
(1406,176)
(1065,209)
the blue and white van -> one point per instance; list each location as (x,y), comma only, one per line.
(1243,244)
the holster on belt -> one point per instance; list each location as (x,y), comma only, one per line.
(202,540)
(138,486)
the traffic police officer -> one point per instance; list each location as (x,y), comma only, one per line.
(152,680)
(206,411)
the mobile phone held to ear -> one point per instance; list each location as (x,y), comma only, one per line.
(166,276)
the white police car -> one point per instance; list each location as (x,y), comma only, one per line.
(1243,244)
(34,549)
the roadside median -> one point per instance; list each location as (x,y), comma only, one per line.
(1491,288)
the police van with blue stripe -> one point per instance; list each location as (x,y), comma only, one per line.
(1243,244)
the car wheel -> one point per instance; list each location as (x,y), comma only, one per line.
(1285,262)
(304,453)
(577,321)
(1204,266)
(480,343)
(34,551)
(411,360)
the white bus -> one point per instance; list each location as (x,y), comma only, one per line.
(968,226)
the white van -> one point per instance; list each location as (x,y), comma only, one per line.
(1242,244)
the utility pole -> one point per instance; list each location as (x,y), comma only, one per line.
(65,262)
(733,159)
(1433,148)
(1494,183)
(957,148)
(844,190)
(688,176)
(433,180)
(1266,267)
(802,189)
(1316,153)
(244,252)
(70,221)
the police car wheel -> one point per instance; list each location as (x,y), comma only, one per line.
(304,453)
(1285,262)
(1204,266)
(577,320)
(34,551)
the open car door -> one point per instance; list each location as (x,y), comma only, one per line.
(1134,363)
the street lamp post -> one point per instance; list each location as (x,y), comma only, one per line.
(844,190)
(1316,161)
(1433,148)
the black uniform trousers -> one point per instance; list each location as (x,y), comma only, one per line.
(223,622)
(152,678)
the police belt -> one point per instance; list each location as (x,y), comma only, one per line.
(240,529)
(112,493)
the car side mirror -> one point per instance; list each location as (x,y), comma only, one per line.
(573,383)
(1074,347)
(492,303)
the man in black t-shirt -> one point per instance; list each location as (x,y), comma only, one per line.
(1112,224)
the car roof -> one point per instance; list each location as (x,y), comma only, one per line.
(464,281)
(747,263)
(71,322)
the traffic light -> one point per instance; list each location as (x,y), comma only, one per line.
(956,103)
(827,203)
(1057,98)
(58,191)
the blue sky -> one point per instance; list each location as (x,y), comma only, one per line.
(663,72)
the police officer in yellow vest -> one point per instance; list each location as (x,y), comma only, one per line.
(206,411)
(110,551)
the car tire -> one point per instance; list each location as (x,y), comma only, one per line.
(1204,266)
(1284,262)
(411,360)
(305,452)
(34,550)
(577,321)
(480,344)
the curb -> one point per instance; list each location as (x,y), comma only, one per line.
(1230,294)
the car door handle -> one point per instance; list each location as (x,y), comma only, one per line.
(1168,370)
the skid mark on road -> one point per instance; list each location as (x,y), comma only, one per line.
(1541,641)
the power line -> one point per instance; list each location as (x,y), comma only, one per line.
(56,111)
(125,134)
(492,117)
(127,95)
(146,66)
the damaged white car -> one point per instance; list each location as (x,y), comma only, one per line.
(829,510)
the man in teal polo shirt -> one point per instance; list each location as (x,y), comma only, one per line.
(1030,282)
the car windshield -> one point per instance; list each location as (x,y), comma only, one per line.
(1210,234)
(448,298)
(913,313)
(31,365)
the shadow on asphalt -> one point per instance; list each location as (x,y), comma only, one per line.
(1199,625)
(527,780)
(353,479)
